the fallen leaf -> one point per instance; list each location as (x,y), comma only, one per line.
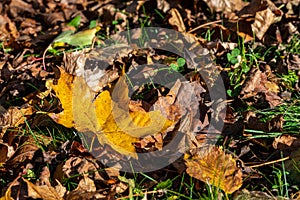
(86,189)
(63,91)
(25,151)
(273,125)
(287,144)
(252,195)
(226,6)
(7,195)
(110,120)
(292,167)
(283,141)
(42,191)
(81,38)
(211,165)
(6,151)
(262,22)
(176,20)
(82,63)
(13,116)
(86,184)
(256,84)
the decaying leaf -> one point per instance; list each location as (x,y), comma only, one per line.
(42,191)
(286,141)
(292,166)
(6,151)
(273,125)
(226,6)
(86,189)
(264,19)
(110,120)
(211,165)
(176,20)
(251,195)
(257,84)
(25,151)
(13,116)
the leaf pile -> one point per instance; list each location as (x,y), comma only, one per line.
(51,94)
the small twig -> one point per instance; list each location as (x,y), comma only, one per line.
(44,55)
(271,162)
(203,25)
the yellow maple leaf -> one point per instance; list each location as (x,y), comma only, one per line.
(111,120)
(63,90)
(211,165)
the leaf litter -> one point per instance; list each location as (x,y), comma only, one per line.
(38,94)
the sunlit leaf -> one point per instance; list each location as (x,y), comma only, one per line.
(42,191)
(75,21)
(7,195)
(211,165)
(109,118)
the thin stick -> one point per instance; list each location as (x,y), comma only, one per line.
(44,55)
(203,25)
(271,162)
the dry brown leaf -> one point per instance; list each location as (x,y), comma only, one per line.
(176,20)
(86,184)
(226,6)
(17,7)
(80,166)
(42,191)
(8,31)
(25,151)
(283,140)
(86,189)
(92,66)
(263,20)
(253,122)
(13,116)
(6,152)
(258,83)
(211,165)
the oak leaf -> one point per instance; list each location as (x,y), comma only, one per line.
(211,165)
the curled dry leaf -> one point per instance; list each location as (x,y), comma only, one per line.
(211,165)
(6,151)
(264,19)
(258,83)
(273,125)
(226,6)
(13,116)
(8,31)
(25,151)
(45,192)
(283,140)
(176,20)
(80,166)
(110,120)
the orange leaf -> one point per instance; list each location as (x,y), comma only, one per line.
(211,165)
